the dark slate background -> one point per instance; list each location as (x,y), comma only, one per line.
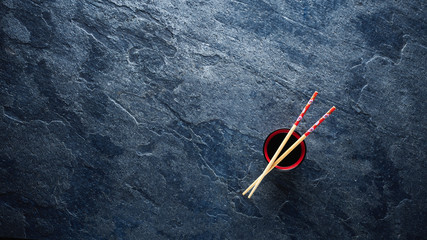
(145,119)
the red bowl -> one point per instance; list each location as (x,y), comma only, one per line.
(294,158)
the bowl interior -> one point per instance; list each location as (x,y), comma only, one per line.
(273,142)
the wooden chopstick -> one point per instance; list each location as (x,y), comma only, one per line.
(282,145)
(260,178)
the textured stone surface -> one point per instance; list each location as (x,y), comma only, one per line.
(145,119)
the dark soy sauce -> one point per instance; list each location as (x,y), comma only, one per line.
(274,144)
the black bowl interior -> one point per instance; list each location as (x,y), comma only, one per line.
(274,144)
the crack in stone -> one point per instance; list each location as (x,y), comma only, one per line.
(144,194)
(124,110)
(360,94)
(15,119)
(89,33)
(388,59)
(314,29)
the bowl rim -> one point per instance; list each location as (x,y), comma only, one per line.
(295,134)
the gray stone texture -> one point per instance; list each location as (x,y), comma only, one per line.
(126,119)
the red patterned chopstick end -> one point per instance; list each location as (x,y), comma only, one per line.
(320,121)
(305,109)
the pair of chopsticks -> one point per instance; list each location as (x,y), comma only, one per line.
(273,162)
